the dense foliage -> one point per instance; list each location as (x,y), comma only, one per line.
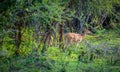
(32,35)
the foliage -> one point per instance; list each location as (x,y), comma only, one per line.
(22,23)
(94,14)
(105,57)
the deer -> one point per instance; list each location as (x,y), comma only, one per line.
(68,37)
(75,37)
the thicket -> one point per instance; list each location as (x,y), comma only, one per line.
(25,25)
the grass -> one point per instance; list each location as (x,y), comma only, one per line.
(97,53)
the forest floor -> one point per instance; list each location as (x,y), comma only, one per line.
(97,53)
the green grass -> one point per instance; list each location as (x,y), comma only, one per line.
(103,48)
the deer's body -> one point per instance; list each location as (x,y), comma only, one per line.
(73,37)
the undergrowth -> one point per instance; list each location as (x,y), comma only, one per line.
(97,53)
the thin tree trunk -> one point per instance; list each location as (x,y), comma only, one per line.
(61,32)
(45,41)
(18,38)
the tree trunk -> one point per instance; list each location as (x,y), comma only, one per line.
(18,37)
(61,32)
